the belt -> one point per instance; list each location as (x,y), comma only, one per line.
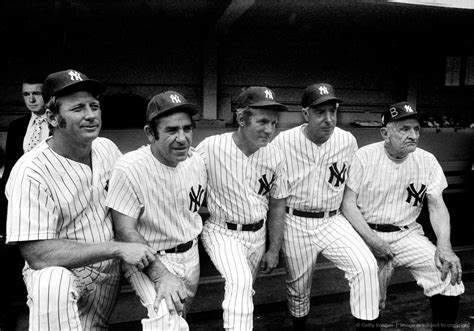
(387,227)
(179,249)
(321,214)
(246,227)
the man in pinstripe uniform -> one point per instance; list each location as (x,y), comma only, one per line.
(246,191)
(57,213)
(317,157)
(155,195)
(388,183)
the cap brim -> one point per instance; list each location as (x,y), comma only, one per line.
(186,107)
(406,116)
(90,85)
(269,104)
(325,99)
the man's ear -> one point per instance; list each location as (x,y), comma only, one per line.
(305,113)
(52,118)
(384,133)
(149,133)
(240,119)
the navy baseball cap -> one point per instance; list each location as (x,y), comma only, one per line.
(317,94)
(398,111)
(67,81)
(259,97)
(168,102)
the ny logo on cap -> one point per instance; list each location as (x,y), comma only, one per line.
(74,75)
(408,109)
(175,98)
(268,94)
(323,90)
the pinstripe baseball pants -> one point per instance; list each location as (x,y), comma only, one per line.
(336,239)
(186,267)
(237,256)
(413,250)
(77,299)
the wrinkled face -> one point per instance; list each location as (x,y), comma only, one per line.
(260,126)
(33,97)
(78,119)
(321,120)
(174,136)
(401,137)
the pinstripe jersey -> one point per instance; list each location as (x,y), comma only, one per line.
(53,197)
(316,173)
(164,199)
(390,192)
(239,185)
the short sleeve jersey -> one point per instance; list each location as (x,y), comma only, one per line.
(53,197)
(316,173)
(165,200)
(391,192)
(239,185)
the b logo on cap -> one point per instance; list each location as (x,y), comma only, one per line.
(408,109)
(323,90)
(268,94)
(75,75)
(175,98)
(393,112)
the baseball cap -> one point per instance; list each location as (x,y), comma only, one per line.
(67,81)
(398,111)
(317,94)
(168,102)
(259,97)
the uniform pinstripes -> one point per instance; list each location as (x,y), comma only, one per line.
(52,197)
(62,299)
(237,256)
(234,183)
(309,164)
(336,240)
(186,267)
(234,179)
(159,196)
(69,196)
(316,175)
(381,186)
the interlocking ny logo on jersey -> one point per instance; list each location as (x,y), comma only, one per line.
(337,177)
(265,186)
(195,198)
(74,75)
(418,196)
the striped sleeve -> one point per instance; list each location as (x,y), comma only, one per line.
(355,173)
(122,195)
(201,149)
(280,189)
(32,214)
(437,180)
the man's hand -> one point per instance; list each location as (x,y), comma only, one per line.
(172,289)
(447,261)
(136,254)
(381,249)
(269,261)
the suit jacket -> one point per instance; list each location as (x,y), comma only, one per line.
(13,151)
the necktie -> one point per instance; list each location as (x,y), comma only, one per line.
(35,136)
